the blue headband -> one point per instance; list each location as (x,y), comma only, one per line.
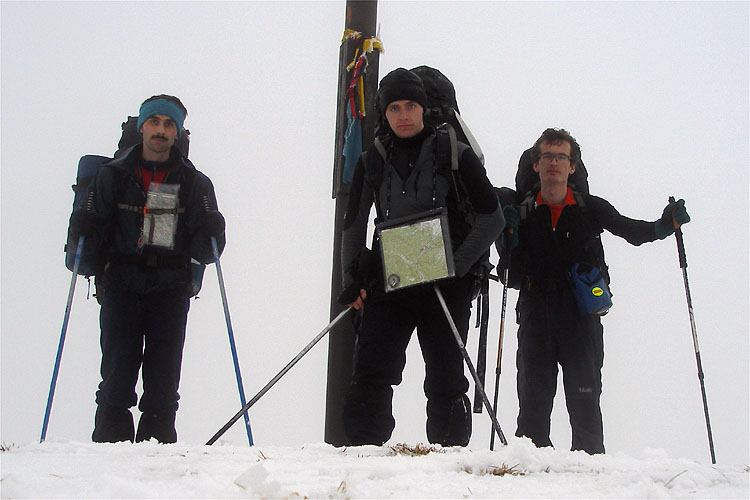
(161,107)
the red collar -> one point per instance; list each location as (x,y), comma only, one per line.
(556,210)
(148,176)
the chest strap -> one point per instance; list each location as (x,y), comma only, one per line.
(151,211)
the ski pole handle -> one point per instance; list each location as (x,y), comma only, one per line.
(680,242)
(506,272)
(507,238)
(672,200)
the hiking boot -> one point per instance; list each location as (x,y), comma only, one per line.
(368,416)
(449,422)
(112,425)
(157,425)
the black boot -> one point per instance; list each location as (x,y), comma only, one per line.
(112,425)
(368,415)
(449,422)
(157,425)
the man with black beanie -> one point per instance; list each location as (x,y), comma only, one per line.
(411,184)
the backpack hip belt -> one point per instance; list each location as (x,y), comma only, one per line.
(151,261)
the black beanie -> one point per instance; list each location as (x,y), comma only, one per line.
(401,84)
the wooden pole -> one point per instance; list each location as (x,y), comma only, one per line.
(361,16)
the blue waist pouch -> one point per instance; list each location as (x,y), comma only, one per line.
(590,290)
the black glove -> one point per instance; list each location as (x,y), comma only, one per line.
(213,223)
(350,293)
(673,212)
(82,222)
(509,238)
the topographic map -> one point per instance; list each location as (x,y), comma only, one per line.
(414,254)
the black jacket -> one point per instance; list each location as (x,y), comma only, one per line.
(400,197)
(118,194)
(545,256)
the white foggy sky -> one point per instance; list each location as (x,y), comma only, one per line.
(656,94)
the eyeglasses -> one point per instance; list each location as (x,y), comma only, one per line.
(548,157)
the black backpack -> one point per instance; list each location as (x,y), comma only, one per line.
(442,114)
(88,166)
(442,107)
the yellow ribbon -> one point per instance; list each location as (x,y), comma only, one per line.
(368,45)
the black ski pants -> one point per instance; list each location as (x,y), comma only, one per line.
(552,332)
(142,331)
(387,324)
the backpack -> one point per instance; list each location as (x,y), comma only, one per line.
(442,114)
(88,166)
(442,108)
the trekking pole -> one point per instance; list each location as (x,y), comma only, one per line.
(483,318)
(465,355)
(272,382)
(60,345)
(498,369)
(230,331)
(683,265)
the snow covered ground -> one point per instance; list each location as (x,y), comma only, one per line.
(67,469)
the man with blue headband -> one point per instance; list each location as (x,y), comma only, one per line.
(153,215)
(160,111)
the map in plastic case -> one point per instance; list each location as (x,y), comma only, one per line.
(416,250)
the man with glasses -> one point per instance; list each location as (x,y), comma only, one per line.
(554,230)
